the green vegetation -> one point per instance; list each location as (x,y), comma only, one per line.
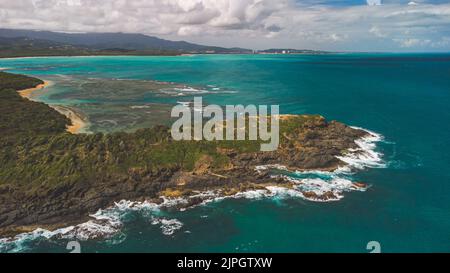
(17,82)
(49,176)
(21,43)
(22,118)
(26,47)
(54,52)
(35,149)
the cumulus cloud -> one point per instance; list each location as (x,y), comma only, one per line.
(249,23)
(373,2)
(411,42)
(377,32)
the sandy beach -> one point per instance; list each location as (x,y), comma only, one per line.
(79,121)
(28,93)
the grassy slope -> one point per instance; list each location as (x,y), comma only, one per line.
(35,149)
(20,116)
(17,52)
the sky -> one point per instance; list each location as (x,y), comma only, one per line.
(336,25)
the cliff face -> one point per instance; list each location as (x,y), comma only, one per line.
(51,178)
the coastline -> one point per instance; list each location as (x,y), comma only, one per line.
(78,120)
(88,56)
(222,172)
(105,221)
(28,93)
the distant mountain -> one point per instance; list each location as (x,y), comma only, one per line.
(122,41)
(29,47)
(30,43)
(18,43)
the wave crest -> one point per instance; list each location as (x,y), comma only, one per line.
(317,186)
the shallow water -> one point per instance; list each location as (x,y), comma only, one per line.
(404,97)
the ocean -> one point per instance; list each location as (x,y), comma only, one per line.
(404,98)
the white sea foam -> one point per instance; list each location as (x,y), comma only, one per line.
(184,91)
(253,194)
(365,156)
(168,226)
(181,91)
(107,223)
(325,186)
(188,89)
(319,186)
(283,192)
(184,103)
(140,106)
(320,190)
(271,166)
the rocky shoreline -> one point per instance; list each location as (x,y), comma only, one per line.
(79,121)
(307,143)
(66,205)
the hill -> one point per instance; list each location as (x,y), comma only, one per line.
(51,178)
(110,42)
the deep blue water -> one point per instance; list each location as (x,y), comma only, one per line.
(404,97)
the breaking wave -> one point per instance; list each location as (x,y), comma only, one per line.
(317,186)
(365,156)
(189,91)
(325,186)
(105,224)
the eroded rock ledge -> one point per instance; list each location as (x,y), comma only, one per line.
(51,178)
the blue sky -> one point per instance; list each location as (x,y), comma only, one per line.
(340,25)
(333,3)
(344,3)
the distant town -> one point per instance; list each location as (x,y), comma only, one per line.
(27,43)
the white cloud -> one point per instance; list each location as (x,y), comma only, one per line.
(373,2)
(248,23)
(412,42)
(377,32)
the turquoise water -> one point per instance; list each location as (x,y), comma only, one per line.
(404,97)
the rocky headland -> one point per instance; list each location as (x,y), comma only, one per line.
(51,178)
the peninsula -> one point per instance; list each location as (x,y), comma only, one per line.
(52,178)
